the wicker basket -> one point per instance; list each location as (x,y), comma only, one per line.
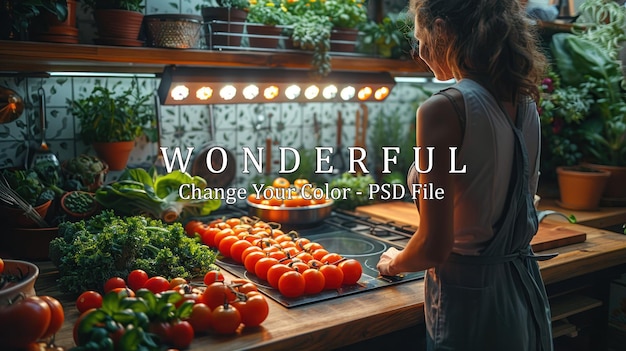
(173,31)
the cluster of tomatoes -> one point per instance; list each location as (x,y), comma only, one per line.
(26,320)
(294,265)
(282,193)
(172,310)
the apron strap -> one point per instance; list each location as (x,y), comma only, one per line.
(526,253)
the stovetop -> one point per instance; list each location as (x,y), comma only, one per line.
(344,233)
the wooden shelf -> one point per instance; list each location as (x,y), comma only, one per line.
(563,327)
(29,57)
(567,305)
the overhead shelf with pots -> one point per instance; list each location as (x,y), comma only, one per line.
(28,57)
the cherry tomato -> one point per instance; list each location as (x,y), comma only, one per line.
(254,309)
(251,260)
(222,234)
(208,236)
(24,322)
(136,279)
(291,284)
(352,271)
(275,272)
(319,254)
(57,316)
(280,182)
(174,282)
(254,199)
(157,284)
(331,258)
(300,182)
(237,249)
(263,265)
(182,334)
(88,300)
(226,319)
(162,329)
(1,266)
(333,276)
(114,282)
(225,244)
(299,266)
(245,287)
(213,276)
(194,227)
(314,281)
(200,318)
(216,294)
(248,250)
(233,221)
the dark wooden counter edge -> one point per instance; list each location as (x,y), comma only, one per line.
(347,320)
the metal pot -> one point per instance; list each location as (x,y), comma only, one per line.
(291,216)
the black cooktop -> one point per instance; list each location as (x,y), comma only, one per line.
(347,242)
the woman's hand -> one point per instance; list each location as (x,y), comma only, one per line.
(385,260)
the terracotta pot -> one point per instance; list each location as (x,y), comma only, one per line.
(15,217)
(263,36)
(224,26)
(115,154)
(343,39)
(50,29)
(75,215)
(118,27)
(581,187)
(616,185)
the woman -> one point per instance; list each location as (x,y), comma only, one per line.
(483,290)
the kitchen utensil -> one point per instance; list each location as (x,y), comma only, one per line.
(291,216)
(42,159)
(361,133)
(200,167)
(11,105)
(337,160)
(13,199)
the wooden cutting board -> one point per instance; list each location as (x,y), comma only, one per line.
(548,236)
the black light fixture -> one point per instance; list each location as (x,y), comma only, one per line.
(183,85)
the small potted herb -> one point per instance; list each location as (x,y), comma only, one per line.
(79,204)
(118,21)
(264,20)
(111,121)
(225,21)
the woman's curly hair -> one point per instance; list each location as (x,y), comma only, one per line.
(489,38)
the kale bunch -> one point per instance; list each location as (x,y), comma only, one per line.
(89,252)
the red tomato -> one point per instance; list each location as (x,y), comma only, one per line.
(174,282)
(225,244)
(213,276)
(24,322)
(194,227)
(352,271)
(245,287)
(182,334)
(333,276)
(319,254)
(251,260)
(114,282)
(248,250)
(237,249)
(1,266)
(136,279)
(57,316)
(162,329)
(216,294)
(275,272)
(314,281)
(331,258)
(222,234)
(281,182)
(200,318)
(263,265)
(208,236)
(226,319)
(157,284)
(299,266)
(88,300)
(291,284)
(253,309)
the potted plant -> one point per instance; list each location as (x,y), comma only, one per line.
(16,16)
(224,21)
(118,21)
(346,16)
(111,122)
(23,192)
(264,23)
(389,38)
(311,32)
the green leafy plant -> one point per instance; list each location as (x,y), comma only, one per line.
(129,5)
(268,12)
(359,194)
(28,185)
(26,10)
(344,13)
(312,32)
(107,116)
(389,38)
(603,22)
(236,4)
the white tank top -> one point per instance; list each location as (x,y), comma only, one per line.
(487,153)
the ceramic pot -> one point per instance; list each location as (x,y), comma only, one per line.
(343,39)
(224,26)
(616,185)
(115,154)
(263,36)
(50,29)
(581,187)
(118,27)
(15,217)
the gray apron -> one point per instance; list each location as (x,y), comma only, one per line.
(497,300)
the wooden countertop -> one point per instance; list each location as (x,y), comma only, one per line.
(346,320)
(601,218)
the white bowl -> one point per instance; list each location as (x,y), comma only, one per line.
(25,286)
